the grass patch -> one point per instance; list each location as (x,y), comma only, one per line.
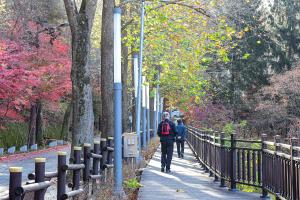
(53,132)
(14,135)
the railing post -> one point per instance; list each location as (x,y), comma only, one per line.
(222,159)
(61,174)
(210,153)
(103,160)
(39,177)
(277,139)
(205,146)
(294,153)
(76,173)
(110,154)
(215,155)
(86,169)
(86,160)
(96,164)
(263,167)
(15,181)
(233,162)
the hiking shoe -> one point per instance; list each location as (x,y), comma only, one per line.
(182,156)
(168,171)
(162,169)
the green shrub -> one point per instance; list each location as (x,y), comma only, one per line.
(228,128)
(132,183)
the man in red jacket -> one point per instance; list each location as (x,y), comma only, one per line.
(167,132)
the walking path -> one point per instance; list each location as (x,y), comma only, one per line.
(186,181)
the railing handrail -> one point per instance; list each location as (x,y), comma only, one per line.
(261,167)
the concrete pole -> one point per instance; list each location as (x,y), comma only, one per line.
(118,192)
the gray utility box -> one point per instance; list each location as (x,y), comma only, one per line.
(130,145)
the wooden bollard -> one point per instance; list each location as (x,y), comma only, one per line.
(39,177)
(76,172)
(61,174)
(86,160)
(103,145)
(109,154)
(96,161)
(15,181)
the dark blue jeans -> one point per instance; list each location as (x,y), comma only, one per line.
(166,153)
(180,147)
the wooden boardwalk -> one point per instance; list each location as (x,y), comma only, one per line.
(186,181)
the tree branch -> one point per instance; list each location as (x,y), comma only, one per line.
(83,6)
(166,3)
(91,6)
(71,13)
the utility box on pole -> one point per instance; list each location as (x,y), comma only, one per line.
(130,143)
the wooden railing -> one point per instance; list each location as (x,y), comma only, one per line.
(89,168)
(272,166)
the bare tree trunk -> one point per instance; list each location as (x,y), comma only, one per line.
(66,123)
(81,24)
(32,125)
(39,123)
(107,68)
(125,103)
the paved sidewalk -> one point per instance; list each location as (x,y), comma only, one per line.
(186,181)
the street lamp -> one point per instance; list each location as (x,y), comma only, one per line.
(137,94)
(148,113)
(161,106)
(154,113)
(118,192)
(139,90)
(144,107)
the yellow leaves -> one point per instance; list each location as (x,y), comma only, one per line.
(246,29)
(240,34)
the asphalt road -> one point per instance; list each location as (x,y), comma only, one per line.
(27,162)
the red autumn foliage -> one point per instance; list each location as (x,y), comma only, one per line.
(29,73)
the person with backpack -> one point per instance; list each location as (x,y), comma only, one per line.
(180,138)
(167,132)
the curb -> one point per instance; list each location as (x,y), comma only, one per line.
(20,156)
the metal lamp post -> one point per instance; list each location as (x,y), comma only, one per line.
(155,122)
(139,90)
(118,192)
(137,94)
(158,111)
(148,113)
(144,105)
(161,106)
